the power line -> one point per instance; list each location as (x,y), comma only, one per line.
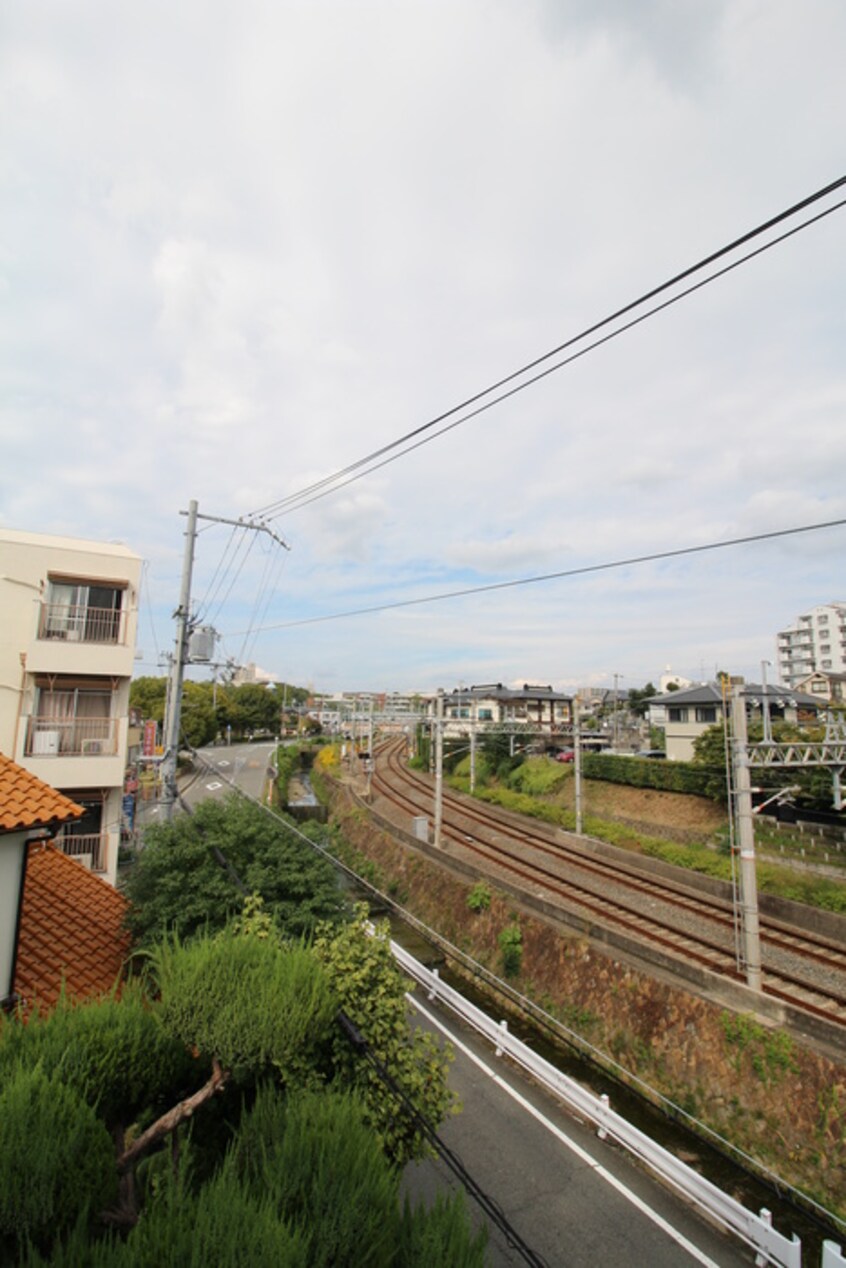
(346,475)
(632,561)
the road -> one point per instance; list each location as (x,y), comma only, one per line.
(575,1200)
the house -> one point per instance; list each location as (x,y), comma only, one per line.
(825,686)
(816,642)
(67,649)
(684,715)
(29,809)
(535,708)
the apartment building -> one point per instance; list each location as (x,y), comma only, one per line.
(67,648)
(817,641)
(535,708)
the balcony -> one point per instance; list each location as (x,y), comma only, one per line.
(90,849)
(73,623)
(72,737)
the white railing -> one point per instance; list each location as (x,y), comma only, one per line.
(771,1247)
(71,737)
(88,848)
(72,623)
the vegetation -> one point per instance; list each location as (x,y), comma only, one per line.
(479,898)
(813,785)
(218,1113)
(179,884)
(511,945)
(213,709)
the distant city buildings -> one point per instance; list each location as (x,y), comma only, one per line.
(67,651)
(815,643)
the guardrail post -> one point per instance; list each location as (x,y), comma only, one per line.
(503,1026)
(434,987)
(761,1259)
(832,1255)
(606,1105)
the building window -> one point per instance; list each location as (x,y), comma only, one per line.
(826,664)
(706,713)
(677,713)
(82,611)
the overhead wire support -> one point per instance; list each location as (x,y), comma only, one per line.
(354,471)
(184,628)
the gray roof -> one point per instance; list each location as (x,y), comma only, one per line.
(711,693)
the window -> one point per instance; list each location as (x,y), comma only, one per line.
(826,664)
(486,715)
(706,713)
(72,720)
(82,611)
(822,620)
(677,713)
(825,647)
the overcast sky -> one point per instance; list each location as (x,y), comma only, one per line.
(244,245)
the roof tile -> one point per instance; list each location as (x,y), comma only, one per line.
(71,930)
(26,802)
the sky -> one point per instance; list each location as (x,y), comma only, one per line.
(243,246)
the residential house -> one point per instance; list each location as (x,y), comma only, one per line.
(825,686)
(684,715)
(67,648)
(535,708)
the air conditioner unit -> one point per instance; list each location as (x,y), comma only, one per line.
(91,747)
(45,744)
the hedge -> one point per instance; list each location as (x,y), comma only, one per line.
(646,772)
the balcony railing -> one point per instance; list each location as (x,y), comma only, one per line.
(72,737)
(88,848)
(72,624)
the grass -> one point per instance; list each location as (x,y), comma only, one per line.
(808,887)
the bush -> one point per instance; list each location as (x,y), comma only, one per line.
(511,945)
(206,983)
(643,772)
(56,1157)
(479,898)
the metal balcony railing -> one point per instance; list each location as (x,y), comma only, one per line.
(70,623)
(72,737)
(88,848)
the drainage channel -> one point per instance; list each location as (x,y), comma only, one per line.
(706,1158)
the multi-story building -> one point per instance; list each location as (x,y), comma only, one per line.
(817,641)
(538,709)
(67,648)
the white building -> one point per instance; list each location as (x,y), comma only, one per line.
(67,648)
(817,641)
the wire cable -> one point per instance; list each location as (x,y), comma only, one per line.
(630,562)
(282,505)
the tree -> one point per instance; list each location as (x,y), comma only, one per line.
(639,698)
(148,695)
(291,1172)
(178,882)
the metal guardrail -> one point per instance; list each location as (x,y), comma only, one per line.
(771,1247)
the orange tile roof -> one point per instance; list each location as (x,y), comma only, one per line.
(71,930)
(27,802)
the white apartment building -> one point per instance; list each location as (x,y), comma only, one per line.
(67,647)
(817,641)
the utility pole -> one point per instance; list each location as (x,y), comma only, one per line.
(474,706)
(577,763)
(746,839)
(184,628)
(439,768)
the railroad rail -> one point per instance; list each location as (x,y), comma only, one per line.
(800,968)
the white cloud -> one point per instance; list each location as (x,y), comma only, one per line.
(245,247)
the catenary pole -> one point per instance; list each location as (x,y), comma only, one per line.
(439,768)
(746,840)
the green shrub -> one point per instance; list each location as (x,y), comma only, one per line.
(538,776)
(314,1157)
(479,898)
(644,772)
(56,1157)
(440,1235)
(113,1052)
(205,983)
(511,945)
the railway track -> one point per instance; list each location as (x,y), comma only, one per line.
(800,968)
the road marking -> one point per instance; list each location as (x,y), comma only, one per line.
(580,1153)
(224,762)
(213,787)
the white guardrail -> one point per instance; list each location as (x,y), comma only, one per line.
(771,1247)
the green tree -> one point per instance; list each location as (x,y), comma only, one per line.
(298,1175)
(639,698)
(178,882)
(148,695)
